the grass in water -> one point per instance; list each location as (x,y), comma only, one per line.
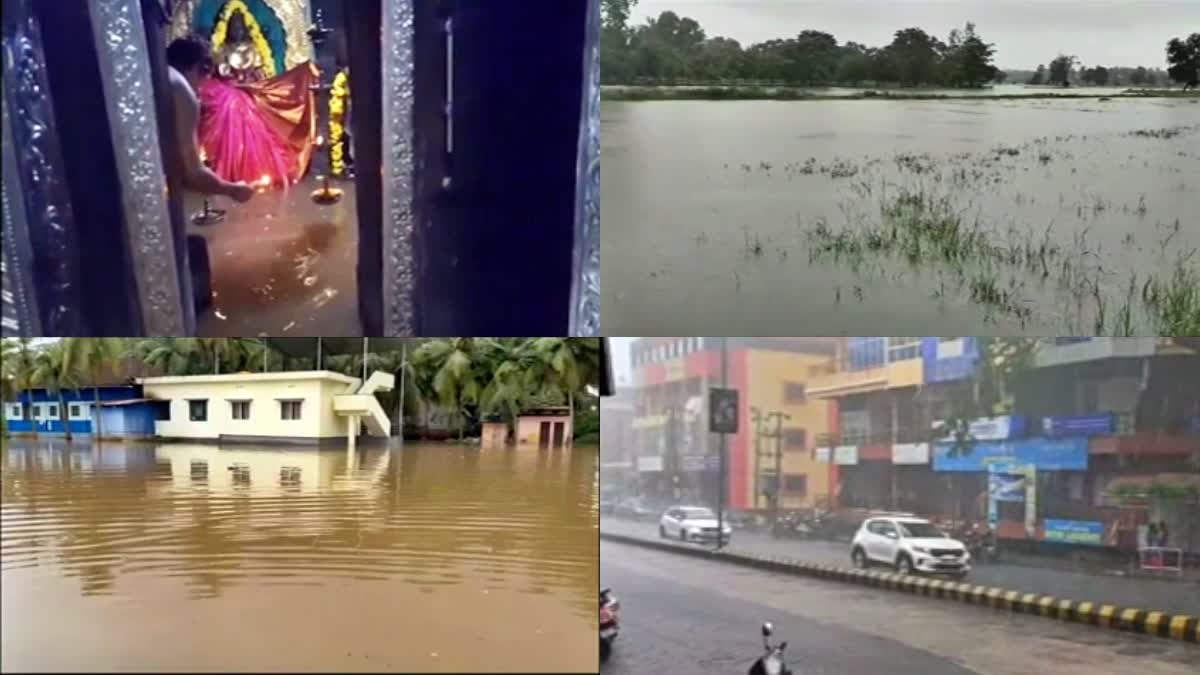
(922,228)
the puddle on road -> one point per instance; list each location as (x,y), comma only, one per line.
(430,558)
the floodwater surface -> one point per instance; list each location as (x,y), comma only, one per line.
(772,217)
(194,557)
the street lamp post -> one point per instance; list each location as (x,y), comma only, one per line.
(721,449)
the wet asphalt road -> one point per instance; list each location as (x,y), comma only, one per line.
(685,615)
(670,628)
(1164,595)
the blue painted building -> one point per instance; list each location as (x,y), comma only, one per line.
(39,409)
(946,359)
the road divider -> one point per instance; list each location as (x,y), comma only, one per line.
(1161,624)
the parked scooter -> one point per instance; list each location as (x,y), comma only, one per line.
(980,541)
(770,663)
(610,609)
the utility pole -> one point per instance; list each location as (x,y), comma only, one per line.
(779,419)
(721,486)
(757,417)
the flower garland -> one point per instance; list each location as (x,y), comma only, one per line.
(337,128)
(256,34)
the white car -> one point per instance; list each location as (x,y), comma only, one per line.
(909,545)
(691,523)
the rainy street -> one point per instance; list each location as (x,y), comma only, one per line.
(683,615)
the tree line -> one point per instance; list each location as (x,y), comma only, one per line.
(473,378)
(670,48)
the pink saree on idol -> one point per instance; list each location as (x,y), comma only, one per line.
(260,132)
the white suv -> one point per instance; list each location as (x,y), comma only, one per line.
(909,545)
(691,523)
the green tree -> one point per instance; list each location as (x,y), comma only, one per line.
(916,55)
(1040,76)
(1138,76)
(567,365)
(54,371)
(1184,59)
(455,364)
(616,63)
(19,367)
(507,390)
(972,59)
(1000,77)
(94,357)
(1060,70)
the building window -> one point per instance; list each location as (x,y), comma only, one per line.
(198,410)
(53,410)
(14,411)
(35,411)
(866,353)
(289,410)
(240,409)
(794,392)
(795,484)
(795,439)
(902,348)
(76,411)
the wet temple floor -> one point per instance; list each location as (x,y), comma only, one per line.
(281,264)
(192,557)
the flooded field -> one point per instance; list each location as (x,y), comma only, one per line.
(966,217)
(193,557)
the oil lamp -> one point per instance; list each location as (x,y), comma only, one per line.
(207,215)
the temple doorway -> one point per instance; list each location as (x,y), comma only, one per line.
(276,115)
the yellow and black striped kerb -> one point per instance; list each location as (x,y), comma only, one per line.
(1161,624)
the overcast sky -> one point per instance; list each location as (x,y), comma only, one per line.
(1025,32)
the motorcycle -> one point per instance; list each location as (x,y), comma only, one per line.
(770,663)
(609,621)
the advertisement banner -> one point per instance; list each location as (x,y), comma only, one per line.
(910,453)
(845,454)
(1006,487)
(992,428)
(1074,532)
(823,454)
(1079,425)
(1044,454)
(650,464)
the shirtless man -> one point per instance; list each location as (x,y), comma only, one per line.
(189,63)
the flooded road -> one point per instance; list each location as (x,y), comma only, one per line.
(194,557)
(768,217)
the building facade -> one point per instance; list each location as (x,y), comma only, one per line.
(771,456)
(299,405)
(1093,419)
(45,412)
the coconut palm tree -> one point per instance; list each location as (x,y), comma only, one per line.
(455,364)
(506,388)
(20,362)
(94,357)
(566,365)
(171,355)
(53,370)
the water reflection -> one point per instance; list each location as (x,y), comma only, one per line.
(504,541)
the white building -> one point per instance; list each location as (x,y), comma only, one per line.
(299,406)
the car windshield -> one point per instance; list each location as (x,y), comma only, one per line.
(920,530)
(696,513)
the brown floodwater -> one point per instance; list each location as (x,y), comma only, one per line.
(197,557)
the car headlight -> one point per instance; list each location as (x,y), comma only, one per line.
(921,549)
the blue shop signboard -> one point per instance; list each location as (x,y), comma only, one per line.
(1044,454)
(1099,424)
(992,428)
(1074,531)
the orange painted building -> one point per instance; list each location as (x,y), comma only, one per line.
(677,458)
